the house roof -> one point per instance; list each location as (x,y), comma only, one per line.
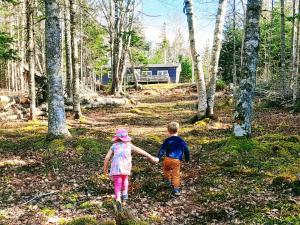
(153,65)
(161,65)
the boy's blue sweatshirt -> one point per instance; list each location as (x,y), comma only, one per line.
(174,147)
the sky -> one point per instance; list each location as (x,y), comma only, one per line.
(156,12)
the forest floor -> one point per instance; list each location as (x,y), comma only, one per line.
(228,181)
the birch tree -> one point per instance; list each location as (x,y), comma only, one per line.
(202,101)
(282,51)
(75,67)
(30,56)
(68,49)
(245,92)
(56,118)
(296,78)
(217,44)
(295,51)
(119,15)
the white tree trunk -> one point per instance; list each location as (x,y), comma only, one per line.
(295,53)
(202,101)
(211,90)
(68,49)
(244,102)
(56,107)
(284,85)
(30,56)
(75,66)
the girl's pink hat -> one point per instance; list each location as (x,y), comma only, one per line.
(121,134)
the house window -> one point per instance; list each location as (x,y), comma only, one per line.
(163,73)
(109,74)
(146,73)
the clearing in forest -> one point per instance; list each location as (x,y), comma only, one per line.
(228,181)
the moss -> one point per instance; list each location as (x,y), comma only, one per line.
(140,112)
(156,219)
(108,222)
(48,212)
(90,149)
(86,220)
(155,138)
(56,146)
(3,215)
(90,206)
(202,123)
(108,204)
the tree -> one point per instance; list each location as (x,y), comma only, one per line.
(56,116)
(75,66)
(119,15)
(186,68)
(245,92)
(282,52)
(202,101)
(295,52)
(211,90)
(6,52)
(68,49)
(30,57)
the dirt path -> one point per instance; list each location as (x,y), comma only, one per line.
(228,181)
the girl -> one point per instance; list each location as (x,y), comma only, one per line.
(121,162)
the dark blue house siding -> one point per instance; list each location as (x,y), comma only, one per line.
(171,70)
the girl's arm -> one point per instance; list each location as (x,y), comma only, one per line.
(106,161)
(144,153)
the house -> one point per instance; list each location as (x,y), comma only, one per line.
(151,73)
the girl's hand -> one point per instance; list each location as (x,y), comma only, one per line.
(155,159)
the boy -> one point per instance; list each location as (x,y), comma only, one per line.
(174,148)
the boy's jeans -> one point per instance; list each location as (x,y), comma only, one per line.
(171,168)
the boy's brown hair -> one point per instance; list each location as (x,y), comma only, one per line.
(173,127)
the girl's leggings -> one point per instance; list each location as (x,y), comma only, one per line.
(120,185)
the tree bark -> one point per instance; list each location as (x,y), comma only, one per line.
(244,102)
(234,74)
(68,49)
(30,56)
(118,45)
(136,82)
(296,79)
(295,52)
(202,101)
(284,86)
(211,90)
(75,69)
(56,107)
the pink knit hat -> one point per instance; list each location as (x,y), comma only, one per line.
(121,134)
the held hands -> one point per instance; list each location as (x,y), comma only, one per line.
(154,159)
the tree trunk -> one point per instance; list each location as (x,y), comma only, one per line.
(136,82)
(30,56)
(68,49)
(244,102)
(296,79)
(116,83)
(234,74)
(75,69)
(215,56)
(282,52)
(23,46)
(56,118)
(295,52)
(202,101)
